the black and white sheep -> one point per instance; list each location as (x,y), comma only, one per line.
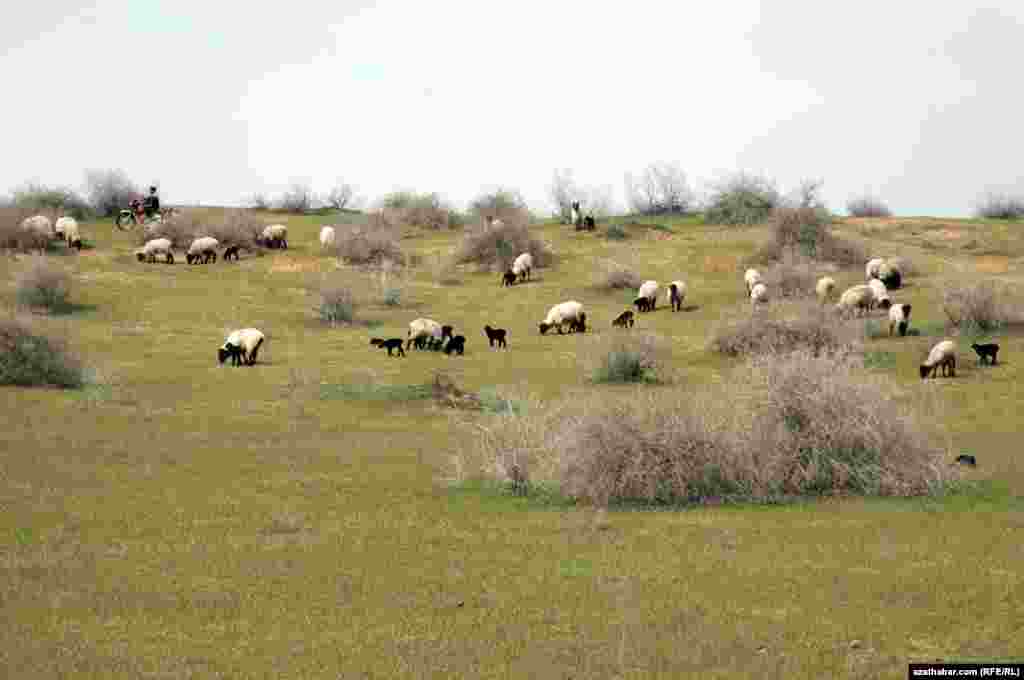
(564,313)
(456,344)
(389,344)
(899,315)
(676,295)
(624,320)
(154,247)
(496,335)
(241,346)
(204,249)
(890,275)
(523,266)
(648,292)
(986,351)
(274,236)
(943,354)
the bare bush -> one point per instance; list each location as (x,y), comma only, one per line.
(181,229)
(983,306)
(369,244)
(788,427)
(661,188)
(54,201)
(339,196)
(496,203)
(742,199)
(427,211)
(43,285)
(30,357)
(497,247)
(792,277)
(298,199)
(618,277)
(867,206)
(786,328)
(807,232)
(259,201)
(337,301)
(237,227)
(807,195)
(995,206)
(109,191)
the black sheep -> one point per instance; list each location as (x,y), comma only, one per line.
(496,335)
(988,351)
(231,251)
(642,304)
(456,344)
(589,224)
(966,459)
(509,279)
(391,344)
(624,320)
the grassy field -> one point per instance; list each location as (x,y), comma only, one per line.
(178,519)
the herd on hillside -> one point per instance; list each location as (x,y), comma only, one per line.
(242,346)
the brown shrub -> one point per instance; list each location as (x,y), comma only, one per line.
(427,211)
(371,244)
(981,307)
(497,247)
(793,426)
(792,277)
(618,276)
(783,328)
(807,232)
(181,229)
(238,227)
(43,285)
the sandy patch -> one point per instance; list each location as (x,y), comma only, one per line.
(720,263)
(292,266)
(992,264)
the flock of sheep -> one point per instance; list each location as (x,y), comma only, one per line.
(43,230)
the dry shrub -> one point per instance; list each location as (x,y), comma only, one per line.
(807,232)
(29,357)
(370,244)
(43,285)
(626,357)
(867,206)
(181,229)
(618,276)
(337,301)
(238,227)
(13,237)
(780,428)
(447,393)
(981,307)
(783,328)
(497,247)
(792,277)
(427,211)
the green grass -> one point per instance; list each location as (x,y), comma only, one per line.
(186,519)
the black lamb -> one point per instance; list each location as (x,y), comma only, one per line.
(495,335)
(456,344)
(389,345)
(987,351)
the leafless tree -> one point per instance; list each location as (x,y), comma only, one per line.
(597,200)
(298,199)
(661,188)
(109,190)
(259,201)
(340,196)
(808,194)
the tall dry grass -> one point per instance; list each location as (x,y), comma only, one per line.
(777,428)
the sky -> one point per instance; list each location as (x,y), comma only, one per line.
(918,103)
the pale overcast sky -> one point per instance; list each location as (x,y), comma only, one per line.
(919,102)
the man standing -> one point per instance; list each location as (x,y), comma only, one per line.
(151,204)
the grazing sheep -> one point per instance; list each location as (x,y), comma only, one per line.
(456,344)
(569,312)
(578,325)
(988,351)
(624,320)
(39,228)
(496,335)
(879,295)
(758,294)
(509,279)
(648,290)
(642,304)
(390,344)
(203,248)
(60,227)
(890,275)
(943,354)
(327,237)
(899,315)
(69,229)
(242,346)
(589,223)
(872,267)
(967,459)
(855,299)
(154,247)
(522,266)
(422,331)
(230,252)
(825,288)
(676,295)
(752,277)
(274,236)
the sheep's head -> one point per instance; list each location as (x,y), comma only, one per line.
(543,327)
(141,256)
(886,303)
(446,332)
(376,341)
(222,354)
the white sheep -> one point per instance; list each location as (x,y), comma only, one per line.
(676,295)
(647,297)
(242,346)
(872,267)
(758,294)
(274,236)
(205,248)
(67,229)
(943,354)
(523,266)
(899,315)
(825,288)
(327,237)
(752,277)
(424,331)
(60,227)
(39,229)
(570,312)
(856,298)
(880,295)
(154,247)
